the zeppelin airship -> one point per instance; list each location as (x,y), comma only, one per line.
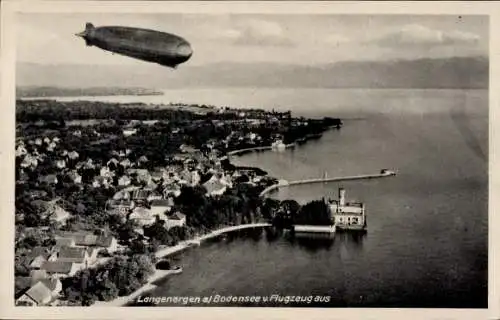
(149,45)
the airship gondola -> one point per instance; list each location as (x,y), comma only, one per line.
(144,44)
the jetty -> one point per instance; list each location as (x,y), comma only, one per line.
(283,183)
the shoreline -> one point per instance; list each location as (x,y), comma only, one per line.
(162,253)
(263,148)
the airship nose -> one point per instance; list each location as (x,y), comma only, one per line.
(184,50)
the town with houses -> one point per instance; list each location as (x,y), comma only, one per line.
(91,191)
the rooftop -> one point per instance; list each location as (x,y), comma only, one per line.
(177,216)
(57,266)
(349,208)
(161,203)
(39,292)
(71,253)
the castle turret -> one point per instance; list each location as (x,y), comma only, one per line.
(341,197)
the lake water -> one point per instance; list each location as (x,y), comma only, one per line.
(427,240)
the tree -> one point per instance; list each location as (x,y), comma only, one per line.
(126,232)
(315,212)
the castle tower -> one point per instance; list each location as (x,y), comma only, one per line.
(341,197)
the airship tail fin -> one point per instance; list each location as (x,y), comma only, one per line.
(88,27)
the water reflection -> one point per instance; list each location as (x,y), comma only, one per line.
(273,234)
(254,234)
(352,240)
(313,242)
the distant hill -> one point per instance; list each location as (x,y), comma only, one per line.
(466,72)
(44,91)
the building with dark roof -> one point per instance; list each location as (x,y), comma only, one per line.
(61,268)
(73,254)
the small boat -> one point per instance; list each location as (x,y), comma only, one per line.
(176,269)
(387,172)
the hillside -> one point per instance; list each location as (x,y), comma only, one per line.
(45,91)
(467,72)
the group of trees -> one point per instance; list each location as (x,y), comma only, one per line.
(48,110)
(159,235)
(119,277)
(240,204)
(290,212)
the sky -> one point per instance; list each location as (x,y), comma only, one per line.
(304,39)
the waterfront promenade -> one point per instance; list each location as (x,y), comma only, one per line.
(236,152)
(185,244)
(162,253)
(284,183)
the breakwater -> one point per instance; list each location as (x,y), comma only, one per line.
(284,183)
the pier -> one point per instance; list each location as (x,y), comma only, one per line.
(283,183)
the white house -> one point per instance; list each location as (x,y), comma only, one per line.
(142,216)
(125,162)
(129,132)
(21,151)
(60,215)
(105,172)
(124,181)
(73,155)
(41,293)
(216,185)
(29,161)
(61,163)
(176,219)
(142,159)
(73,175)
(160,207)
